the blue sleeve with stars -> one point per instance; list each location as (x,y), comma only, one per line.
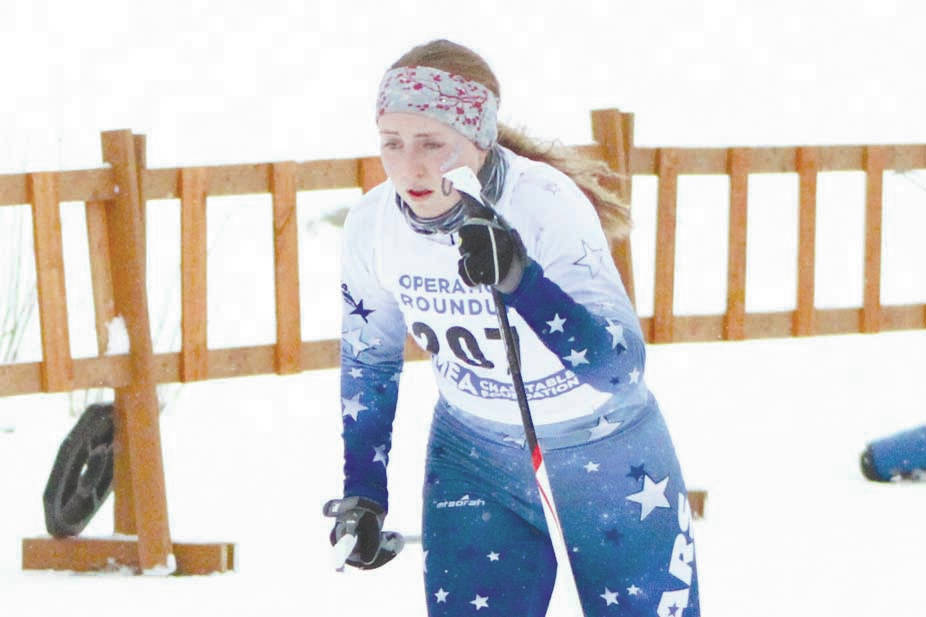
(372,343)
(598,348)
(572,296)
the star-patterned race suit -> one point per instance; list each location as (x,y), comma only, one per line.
(615,478)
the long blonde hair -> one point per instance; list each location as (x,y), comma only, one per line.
(598,181)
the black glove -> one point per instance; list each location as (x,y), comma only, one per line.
(492,253)
(363,518)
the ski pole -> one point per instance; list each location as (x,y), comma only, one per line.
(465,181)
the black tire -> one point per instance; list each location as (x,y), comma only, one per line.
(82,476)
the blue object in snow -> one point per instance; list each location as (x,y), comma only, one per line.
(901,455)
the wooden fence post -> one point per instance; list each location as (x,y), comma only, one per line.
(614,131)
(875,160)
(808,161)
(57,369)
(286,269)
(738,168)
(664,296)
(136,405)
(194,356)
(100,271)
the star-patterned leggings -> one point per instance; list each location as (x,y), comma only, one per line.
(622,504)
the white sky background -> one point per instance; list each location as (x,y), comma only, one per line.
(219,81)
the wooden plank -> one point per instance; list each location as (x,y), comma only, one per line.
(239,179)
(261,359)
(194,363)
(26,377)
(698,328)
(326,174)
(204,558)
(107,554)
(97,184)
(664,288)
(779,159)
(102,372)
(114,371)
(78,554)
(614,131)
(839,321)
(13,189)
(101,275)
(85,185)
(907,317)
(697,499)
(286,270)
(254,178)
(736,248)
(776,324)
(141,161)
(138,435)
(22,378)
(807,163)
(57,366)
(875,158)
(370,172)
(79,185)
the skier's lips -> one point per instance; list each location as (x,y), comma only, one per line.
(419,194)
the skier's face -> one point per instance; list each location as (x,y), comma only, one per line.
(416,152)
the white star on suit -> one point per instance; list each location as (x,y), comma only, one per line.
(576,357)
(493,556)
(633,590)
(353,406)
(617,334)
(356,372)
(441,595)
(603,428)
(590,467)
(379,455)
(610,597)
(556,324)
(480,602)
(591,259)
(634,375)
(357,345)
(652,496)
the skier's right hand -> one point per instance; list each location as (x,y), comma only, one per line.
(363,518)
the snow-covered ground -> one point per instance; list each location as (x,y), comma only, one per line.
(771,429)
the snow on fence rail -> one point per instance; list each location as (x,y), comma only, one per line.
(115,200)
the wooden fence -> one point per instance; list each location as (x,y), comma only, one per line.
(115,199)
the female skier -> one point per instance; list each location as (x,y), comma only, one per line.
(416,260)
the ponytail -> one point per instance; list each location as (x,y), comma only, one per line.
(598,181)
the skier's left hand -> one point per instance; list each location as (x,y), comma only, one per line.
(491,253)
